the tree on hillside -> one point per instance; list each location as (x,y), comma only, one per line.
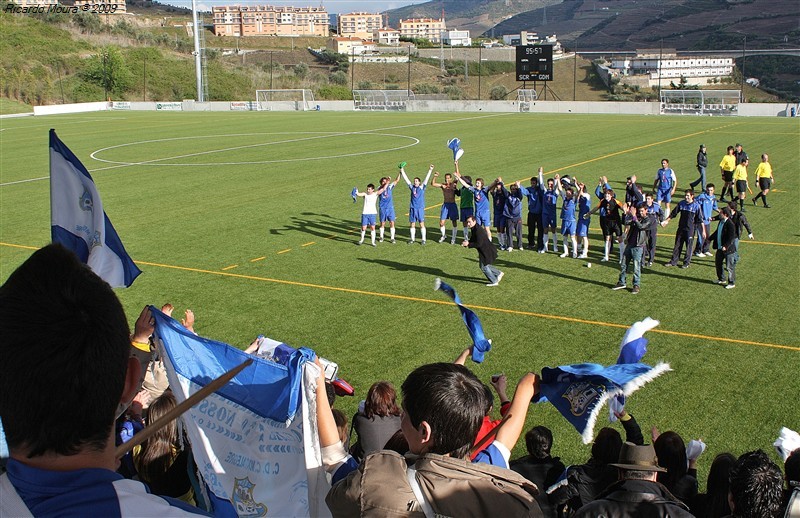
(108,70)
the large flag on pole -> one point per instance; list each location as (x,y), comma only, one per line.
(255,440)
(579,391)
(78,221)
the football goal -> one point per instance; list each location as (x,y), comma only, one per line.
(381,99)
(700,102)
(285,100)
(525,97)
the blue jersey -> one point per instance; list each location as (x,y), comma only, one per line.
(417,197)
(707,204)
(567,208)
(513,206)
(385,200)
(549,202)
(584,205)
(655,208)
(691,214)
(481,199)
(89,492)
(499,198)
(664,179)
(534,195)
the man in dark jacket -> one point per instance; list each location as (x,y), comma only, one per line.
(702,164)
(487,253)
(724,242)
(639,226)
(636,494)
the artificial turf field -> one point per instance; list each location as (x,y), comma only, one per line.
(246,218)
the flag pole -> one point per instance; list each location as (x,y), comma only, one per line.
(192,400)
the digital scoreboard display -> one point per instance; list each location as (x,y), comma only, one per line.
(535,63)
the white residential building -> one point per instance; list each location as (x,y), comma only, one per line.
(651,64)
(387,36)
(456,38)
(426,28)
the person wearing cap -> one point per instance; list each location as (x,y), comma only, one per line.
(702,163)
(636,493)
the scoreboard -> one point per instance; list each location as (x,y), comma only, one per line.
(535,63)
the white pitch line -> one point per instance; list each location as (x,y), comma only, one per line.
(364,132)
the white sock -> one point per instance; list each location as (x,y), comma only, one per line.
(444,230)
(555,242)
(585,245)
(564,243)
(391,233)
(372,235)
(574,245)
(362,235)
(423,230)
(413,233)
(381,234)
(607,248)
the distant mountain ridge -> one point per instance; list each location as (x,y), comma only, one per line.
(626,24)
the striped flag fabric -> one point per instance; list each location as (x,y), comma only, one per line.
(78,221)
(255,440)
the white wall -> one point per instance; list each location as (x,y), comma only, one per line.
(70,108)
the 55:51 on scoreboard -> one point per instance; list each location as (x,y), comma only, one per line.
(535,63)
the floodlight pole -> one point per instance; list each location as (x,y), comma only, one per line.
(197,61)
(480,70)
(352,66)
(660,58)
(270,71)
(575,72)
(741,87)
(409,71)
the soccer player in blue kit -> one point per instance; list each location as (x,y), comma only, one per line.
(665,184)
(568,222)
(386,206)
(548,212)
(416,211)
(481,194)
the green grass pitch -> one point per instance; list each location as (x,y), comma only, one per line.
(246,219)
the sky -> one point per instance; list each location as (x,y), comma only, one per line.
(333,6)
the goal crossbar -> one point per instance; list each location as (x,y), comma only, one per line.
(301,99)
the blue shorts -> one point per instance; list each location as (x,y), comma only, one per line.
(368,220)
(482,219)
(568,227)
(583,227)
(664,195)
(466,212)
(387,215)
(449,211)
(549,219)
(499,220)
(416,215)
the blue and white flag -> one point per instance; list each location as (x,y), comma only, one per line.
(354,193)
(631,350)
(255,440)
(78,221)
(480,344)
(455,145)
(579,391)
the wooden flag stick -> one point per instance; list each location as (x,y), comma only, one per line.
(489,437)
(192,400)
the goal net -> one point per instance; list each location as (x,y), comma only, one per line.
(381,99)
(700,102)
(285,100)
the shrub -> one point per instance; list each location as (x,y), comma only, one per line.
(498,93)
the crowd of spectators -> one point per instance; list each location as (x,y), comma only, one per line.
(440,452)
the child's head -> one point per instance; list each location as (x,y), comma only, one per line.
(608,194)
(370,188)
(443,407)
(417,181)
(479,183)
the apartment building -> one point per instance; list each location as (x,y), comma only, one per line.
(428,28)
(359,25)
(263,20)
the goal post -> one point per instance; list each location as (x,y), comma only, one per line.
(300,99)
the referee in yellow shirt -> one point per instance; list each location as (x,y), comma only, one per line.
(740,177)
(765,180)
(726,168)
